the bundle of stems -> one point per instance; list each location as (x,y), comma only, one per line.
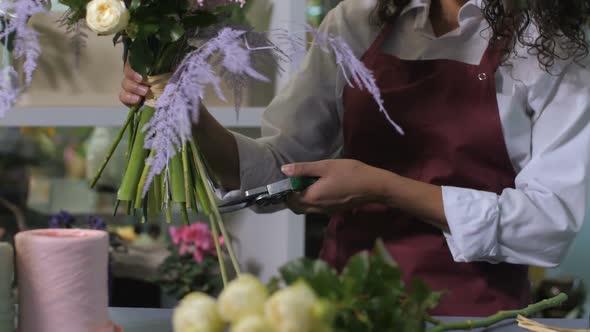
(185,184)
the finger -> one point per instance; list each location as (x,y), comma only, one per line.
(313,169)
(132,74)
(295,204)
(128,99)
(134,87)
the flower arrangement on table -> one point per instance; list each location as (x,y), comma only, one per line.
(192,265)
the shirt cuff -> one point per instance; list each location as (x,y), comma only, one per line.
(473,218)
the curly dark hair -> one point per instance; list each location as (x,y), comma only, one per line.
(561,26)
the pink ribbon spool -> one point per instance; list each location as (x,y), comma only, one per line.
(62,281)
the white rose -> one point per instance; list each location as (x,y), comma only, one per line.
(106,17)
(197,312)
(251,324)
(242,297)
(292,309)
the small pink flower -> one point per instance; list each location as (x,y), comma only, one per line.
(221,241)
(176,235)
(185,249)
(195,233)
(198,255)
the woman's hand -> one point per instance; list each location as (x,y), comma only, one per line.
(343,185)
(133,88)
(346,184)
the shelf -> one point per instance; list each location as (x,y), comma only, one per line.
(249,117)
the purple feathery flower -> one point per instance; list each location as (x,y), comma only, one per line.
(14,17)
(62,220)
(97,223)
(353,69)
(179,105)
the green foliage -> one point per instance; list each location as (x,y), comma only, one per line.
(157,26)
(369,293)
(179,275)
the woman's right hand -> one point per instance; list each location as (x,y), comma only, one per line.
(133,88)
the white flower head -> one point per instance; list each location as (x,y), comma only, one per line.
(292,309)
(251,324)
(197,312)
(107,17)
(242,297)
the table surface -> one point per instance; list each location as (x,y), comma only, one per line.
(158,320)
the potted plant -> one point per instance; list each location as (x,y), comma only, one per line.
(192,265)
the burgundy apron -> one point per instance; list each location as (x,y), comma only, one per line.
(449,113)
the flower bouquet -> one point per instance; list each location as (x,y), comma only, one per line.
(192,265)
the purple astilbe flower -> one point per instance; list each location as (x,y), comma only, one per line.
(26,45)
(97,223)
(178,107)
(9,90)
(62,220)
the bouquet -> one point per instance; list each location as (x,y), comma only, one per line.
(192,264)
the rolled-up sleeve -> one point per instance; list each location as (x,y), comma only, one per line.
(535,222)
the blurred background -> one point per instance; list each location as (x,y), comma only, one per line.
(51,144)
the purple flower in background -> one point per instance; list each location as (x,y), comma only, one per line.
(13,24)
(62,220)
(97,223)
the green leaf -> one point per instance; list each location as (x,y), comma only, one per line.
(321,277)
(170,31)
(354,275)
(134,5)
(382,252)
(141,56)
(146,30)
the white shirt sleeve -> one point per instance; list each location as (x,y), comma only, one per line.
(303,122)
(534,223)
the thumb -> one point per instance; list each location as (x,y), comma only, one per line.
(313,169)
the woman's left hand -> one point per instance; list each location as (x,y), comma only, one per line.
(343,185)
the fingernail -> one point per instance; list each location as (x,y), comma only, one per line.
(138,78)
(287,169)
(143,90)
(135,99)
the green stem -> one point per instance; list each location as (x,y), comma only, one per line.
(140,186)
(501,316)
(176,179)
(187,179)
(113,147)
(135,166)
(215,210)
(433,320)
(203,197)
(184,213)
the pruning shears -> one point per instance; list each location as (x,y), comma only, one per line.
(271,194)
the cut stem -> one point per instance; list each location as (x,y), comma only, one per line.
(135,166)
(215,211)
(501,316)
(187,178)
(113,147)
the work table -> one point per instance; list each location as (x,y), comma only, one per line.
(159,320)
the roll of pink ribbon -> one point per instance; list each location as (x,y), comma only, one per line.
(62,281)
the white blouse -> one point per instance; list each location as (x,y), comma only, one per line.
(545,119)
